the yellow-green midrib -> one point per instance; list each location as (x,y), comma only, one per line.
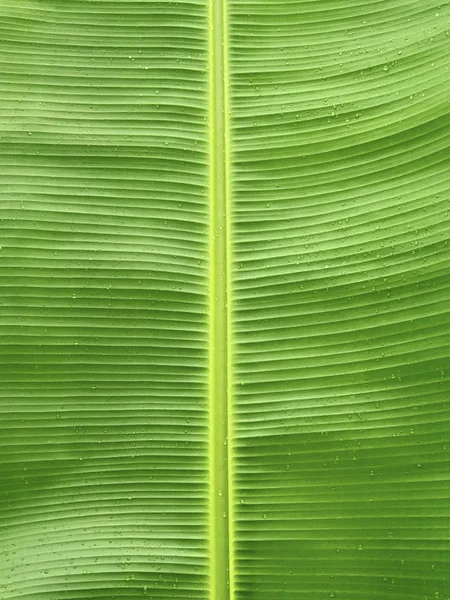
(221,517)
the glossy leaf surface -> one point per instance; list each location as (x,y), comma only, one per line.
(305,143)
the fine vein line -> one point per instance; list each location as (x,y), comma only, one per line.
(220,377)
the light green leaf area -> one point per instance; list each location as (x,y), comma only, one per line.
(331,360)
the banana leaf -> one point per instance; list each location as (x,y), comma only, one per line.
(224,299)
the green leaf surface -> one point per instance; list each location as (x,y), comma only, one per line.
(225,299)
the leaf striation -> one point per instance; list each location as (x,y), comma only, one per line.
(327,183)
